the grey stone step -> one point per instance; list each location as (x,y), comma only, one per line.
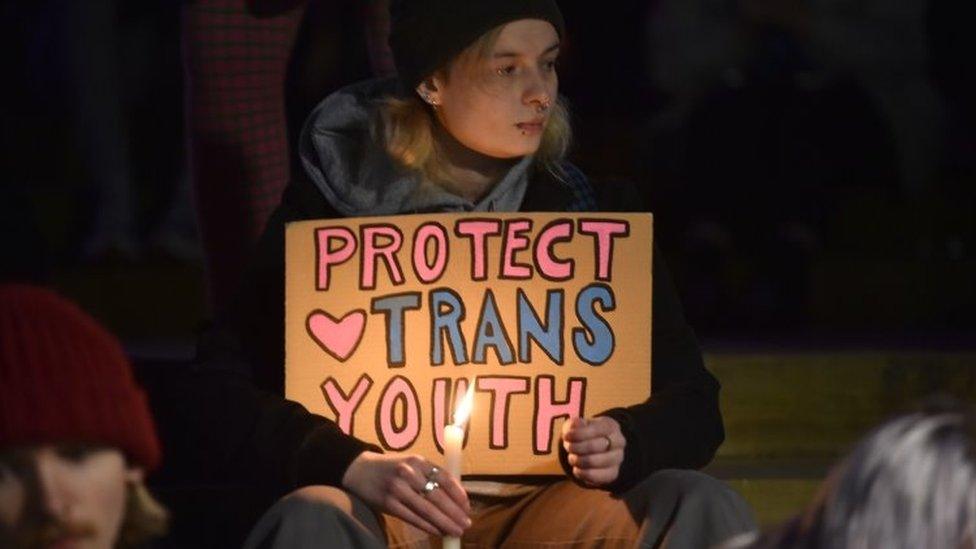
(815,404)
(790,415)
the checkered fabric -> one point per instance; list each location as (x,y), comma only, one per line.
(236,61)
(584,199)
(235,65)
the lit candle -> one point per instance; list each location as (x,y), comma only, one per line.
(453,444)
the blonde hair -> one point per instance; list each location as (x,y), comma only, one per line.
(145,518)
(406,125)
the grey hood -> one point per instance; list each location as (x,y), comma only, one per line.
(359,178)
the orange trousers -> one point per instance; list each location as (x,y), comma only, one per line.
(670,509)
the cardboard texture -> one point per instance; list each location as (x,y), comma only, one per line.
(388,319)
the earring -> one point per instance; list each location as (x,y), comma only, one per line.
(430,101)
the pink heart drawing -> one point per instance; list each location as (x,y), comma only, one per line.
(339,338)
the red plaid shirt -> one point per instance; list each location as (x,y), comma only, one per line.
(235,62)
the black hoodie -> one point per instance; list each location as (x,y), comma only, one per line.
(247,428)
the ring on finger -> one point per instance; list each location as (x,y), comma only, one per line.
(429,487)
(432,475)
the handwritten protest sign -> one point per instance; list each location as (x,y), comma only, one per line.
(389,319)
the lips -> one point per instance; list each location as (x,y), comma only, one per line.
(531,126)
(66,543)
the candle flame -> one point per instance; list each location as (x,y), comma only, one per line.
(463,410)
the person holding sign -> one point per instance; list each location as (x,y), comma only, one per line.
(908,483)
(472,123)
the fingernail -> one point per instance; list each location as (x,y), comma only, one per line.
(467,522)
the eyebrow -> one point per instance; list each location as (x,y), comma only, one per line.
(514,54)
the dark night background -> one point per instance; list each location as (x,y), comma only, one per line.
(811,189)
(780,197)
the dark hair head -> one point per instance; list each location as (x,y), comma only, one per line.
(911,483)
(426,34)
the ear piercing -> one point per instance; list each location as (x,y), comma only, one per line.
(429,100)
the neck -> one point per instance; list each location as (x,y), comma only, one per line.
(470,174)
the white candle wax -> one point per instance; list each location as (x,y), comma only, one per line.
(453,442)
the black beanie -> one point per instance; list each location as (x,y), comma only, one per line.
(426,34)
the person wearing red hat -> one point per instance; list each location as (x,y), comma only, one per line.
(76,433)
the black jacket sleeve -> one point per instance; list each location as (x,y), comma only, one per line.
(251,428)
(680,425)
(246,427)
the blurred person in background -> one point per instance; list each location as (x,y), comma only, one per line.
(910,483)
(91,140)
(882,46)
(76,434)
(237,55)
(774,109)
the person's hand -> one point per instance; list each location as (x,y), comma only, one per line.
(395,485)
(596,449)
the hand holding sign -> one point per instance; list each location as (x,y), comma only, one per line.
(546,315)
(394,484)
(596,449)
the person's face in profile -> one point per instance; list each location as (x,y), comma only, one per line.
(491,105)
(63,496)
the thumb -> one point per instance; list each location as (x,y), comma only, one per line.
(572,424)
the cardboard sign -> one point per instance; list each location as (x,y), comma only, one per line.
(389,319)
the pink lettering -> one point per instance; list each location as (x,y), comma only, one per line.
(501,388)
(604,233)
(425,271)
(548,264)
(372,249)
(515,240)
(547,409)
(478,230)
(329,256)
(344,406)
(393,436)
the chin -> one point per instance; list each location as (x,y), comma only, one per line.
(518,150)
(511,154)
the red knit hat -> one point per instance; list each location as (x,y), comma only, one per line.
(65,379)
